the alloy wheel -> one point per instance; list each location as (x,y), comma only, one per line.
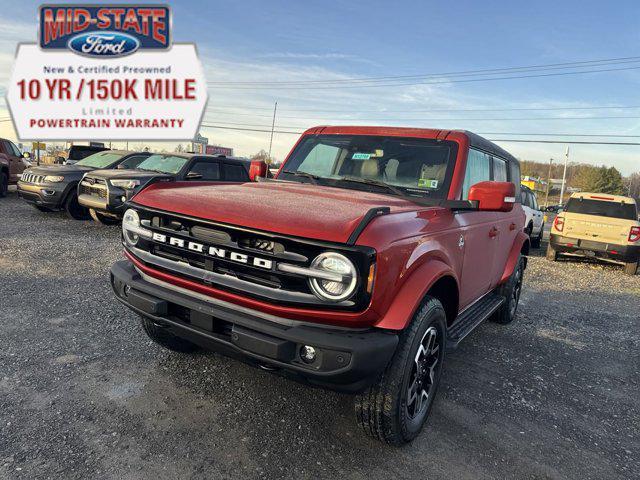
(515,294)
(423,374)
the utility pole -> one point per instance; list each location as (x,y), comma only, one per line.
(564,174)
(273,126)
(546,197)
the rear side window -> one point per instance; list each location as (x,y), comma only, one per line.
(478,170)
(235,173)
(13,149)
(499,170)
(523,198)
(208,170)
(602,208)
(514,167)
(134,161)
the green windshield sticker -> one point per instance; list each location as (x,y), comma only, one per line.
(361,156)
(427,183)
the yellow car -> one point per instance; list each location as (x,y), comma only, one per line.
(598,225)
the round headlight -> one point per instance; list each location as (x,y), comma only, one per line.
(130,223)
(333,290)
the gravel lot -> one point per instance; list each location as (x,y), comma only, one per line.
(85,394)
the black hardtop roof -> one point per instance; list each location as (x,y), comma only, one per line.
(488,146)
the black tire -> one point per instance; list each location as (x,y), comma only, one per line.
(535,242)
(74,209)
(42,209)
(103,219)
(552,254)
(631,268)
(166,339)
(510,290)
(4,184)
(529,230)
(385,410)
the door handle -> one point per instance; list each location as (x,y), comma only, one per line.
(493,232)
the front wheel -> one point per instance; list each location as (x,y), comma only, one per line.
(4,184)
(535,242)
(395,409)
(631,268)
(103,219)
(74,209)
(552,254)
(510,290)
(166,339)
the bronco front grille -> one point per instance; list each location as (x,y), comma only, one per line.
(244,261)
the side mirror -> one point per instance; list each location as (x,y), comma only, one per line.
(257,169)
(493,196)
(26,155)
(193,176)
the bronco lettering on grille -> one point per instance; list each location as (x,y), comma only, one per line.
(213,251)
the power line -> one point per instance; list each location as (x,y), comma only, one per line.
(512,140)
(528,119)
(231,109)
(610,135)
(492,71)
(468,80)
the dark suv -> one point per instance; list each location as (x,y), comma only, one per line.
(78,152)
(12,164)
(105,192)
(54,187)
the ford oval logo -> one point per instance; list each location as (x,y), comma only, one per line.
(104,44)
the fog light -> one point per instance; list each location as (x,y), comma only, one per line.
(123,199)
(308,354)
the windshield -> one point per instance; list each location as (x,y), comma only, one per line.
(163,163)
(101,159)
(602,208)
(413,165)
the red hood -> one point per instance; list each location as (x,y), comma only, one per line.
(295,209)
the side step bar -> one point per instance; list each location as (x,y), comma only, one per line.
(472,317)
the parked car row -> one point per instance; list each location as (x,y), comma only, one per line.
(100,185)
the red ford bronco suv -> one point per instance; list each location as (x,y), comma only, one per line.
(372,251)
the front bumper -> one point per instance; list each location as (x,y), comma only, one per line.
(603,250)
(347,359)
(112,205)
(49,195)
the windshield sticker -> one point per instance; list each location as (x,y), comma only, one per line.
(361,156)
(427,183)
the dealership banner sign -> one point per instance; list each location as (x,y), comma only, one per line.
(107,72)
